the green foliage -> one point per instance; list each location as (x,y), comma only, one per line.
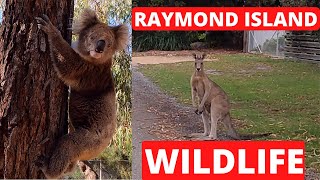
(294,2)
(202,36)
(116,10)
(300,3)
(123,10)
(158,3)
(118,156)
(122,75)
(162,40)
(267,95)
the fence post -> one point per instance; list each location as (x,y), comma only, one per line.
(277,48)
(245,41)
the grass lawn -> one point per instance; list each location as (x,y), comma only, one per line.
(278,96)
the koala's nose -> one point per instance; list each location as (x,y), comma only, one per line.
(101,44)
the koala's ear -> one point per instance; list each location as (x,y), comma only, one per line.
(122,35)
(87,18)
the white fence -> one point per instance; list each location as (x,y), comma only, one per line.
(266,42)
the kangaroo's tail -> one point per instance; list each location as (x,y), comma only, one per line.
(235,135)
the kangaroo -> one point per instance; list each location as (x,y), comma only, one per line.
(213,103)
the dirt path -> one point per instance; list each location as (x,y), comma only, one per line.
(164,57)
(157,116)
(163,60)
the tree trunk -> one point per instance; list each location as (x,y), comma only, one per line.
(33,109)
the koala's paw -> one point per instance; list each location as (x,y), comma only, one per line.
(45,25)
(41,162)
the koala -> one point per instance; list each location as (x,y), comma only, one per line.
(87,70)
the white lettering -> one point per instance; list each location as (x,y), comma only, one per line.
(167,18)
(309,15)
(162,157)
(215,19)
(154,20)
(204,17)
(197,163)
(274,161)
(230,15)
(280,19)
(217,159)
(180,21)
(140,17)
(295,19)
(242,163)
(293,161)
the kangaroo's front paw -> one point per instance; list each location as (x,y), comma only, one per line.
(199,111)
(46,26)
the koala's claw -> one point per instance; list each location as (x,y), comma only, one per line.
(41,23)
(45,24)
(46,18)
(39,20)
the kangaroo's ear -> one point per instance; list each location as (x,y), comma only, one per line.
(204,55)
(194,55)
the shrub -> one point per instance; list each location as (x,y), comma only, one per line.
(162,40)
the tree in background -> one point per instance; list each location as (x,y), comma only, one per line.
(33,108)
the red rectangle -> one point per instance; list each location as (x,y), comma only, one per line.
(222,18)
(223,160)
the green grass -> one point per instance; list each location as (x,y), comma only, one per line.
(278,96)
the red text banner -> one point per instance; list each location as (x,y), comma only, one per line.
(220,18)
(223,160)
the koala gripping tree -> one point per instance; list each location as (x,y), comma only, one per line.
(33,101)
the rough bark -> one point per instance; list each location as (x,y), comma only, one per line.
(33,108)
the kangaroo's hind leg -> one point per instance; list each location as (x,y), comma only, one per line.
(216,115)
(206,122)
(206,126)
(214,124)
(229,127)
